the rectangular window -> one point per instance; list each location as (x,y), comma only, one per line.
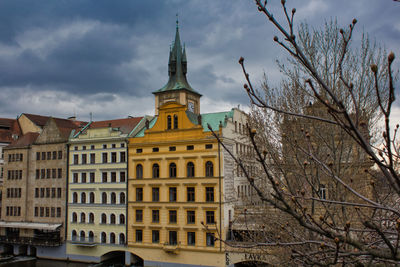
(41,211)
(60,154)
(173,238)
(58,193)
(210,240)
(54,173)
(139,194)
(92,177)
(104,146)
(172,216)
(47,192)
(83,147)
(139,215)
(190,194)
(104,177)
(155,236)
(155,149)
(92,147)
(54,154)
(191,238)
(53,193)
(37,174)
(48,155)
(209,146)
(209,194)
(83,177)
(36,211)
(42,173)
(113,145)
(191,217)
(76,159)
(92,158)
(58,212)
(84,159)
(75,148)
(155,194)
(75,178)
(37,155)
(47,212)
(53,212)
(104,155)
(172,148)
(43,155)
(172,194)
(139,150)
(41,192)
(122,156)
(36,192)
(122,144)
(139,236)
(122,177)
(210,217)
(155,216)
(48,173)
(59,171)
(191,147)
(113,157)
(113,177)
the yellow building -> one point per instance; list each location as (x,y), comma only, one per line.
(97,182)
(180,195)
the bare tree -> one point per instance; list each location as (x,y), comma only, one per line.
(327,170)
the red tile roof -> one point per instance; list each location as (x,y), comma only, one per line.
(8,127)
(124,125)
(25,140)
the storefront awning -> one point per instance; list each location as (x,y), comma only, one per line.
(25,225)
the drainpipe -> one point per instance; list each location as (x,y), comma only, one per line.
(126,194)
(220,195)
(66,195)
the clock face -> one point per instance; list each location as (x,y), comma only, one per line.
(191,106)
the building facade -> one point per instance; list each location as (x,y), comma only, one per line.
(98,161)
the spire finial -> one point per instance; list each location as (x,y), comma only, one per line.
(177,21)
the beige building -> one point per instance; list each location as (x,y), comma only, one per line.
(34,204)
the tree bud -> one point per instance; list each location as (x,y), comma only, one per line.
(283,2)
(259,8)
(321,218)
(241,59)
(374,68)
(391,57)
(253,131)
(341,31)
(293,10)
(276,38)
(337,240)
(354,21)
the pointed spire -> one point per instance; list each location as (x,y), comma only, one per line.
(177,66)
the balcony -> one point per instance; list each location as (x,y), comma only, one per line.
(172,248)
(38,241)
(84,241)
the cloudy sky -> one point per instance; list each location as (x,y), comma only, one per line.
(65,58)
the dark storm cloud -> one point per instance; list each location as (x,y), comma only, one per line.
(98,52)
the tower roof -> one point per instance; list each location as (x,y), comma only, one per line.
(177,68)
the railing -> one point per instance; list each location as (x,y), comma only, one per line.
(171,247)
(42,241)
(84,241)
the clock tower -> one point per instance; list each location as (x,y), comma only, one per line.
(177,88)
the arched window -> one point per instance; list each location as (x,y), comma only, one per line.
(74,217)
(91,217)
(112,238)
(82,235)
(112,219)
(175,121)
(156,170)
(83,197)
(209,169)
(91,197)
(104,198)
(103,218)
(75,197)
(91,236)
(172,170)
(113,198)
(122,198)
(83,217)
(169,123)
(190,169)
(121,239)
(139,171)
(121,219)
(73,235)
(103,237)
